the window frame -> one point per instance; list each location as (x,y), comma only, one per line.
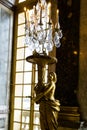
(13,74)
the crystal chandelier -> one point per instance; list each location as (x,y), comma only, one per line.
(41,34)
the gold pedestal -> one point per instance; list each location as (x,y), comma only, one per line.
(41,60)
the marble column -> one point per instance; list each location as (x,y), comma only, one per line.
(82,93)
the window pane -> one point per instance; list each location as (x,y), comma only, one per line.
(25,126)
(17,103)
(36,118)
(19,78)
(21,18)
(26,103)
(18,90)
(19,65)
(17,115)
(16,126)
(20,53)
(37,127)
(27,90)
(26,116)
(27,77)
(28,66)
(20,41)
(21,30)
(27,52)
(36,106)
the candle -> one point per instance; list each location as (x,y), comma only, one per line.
(25,14)
(27,22)
(34,9)
(49,10)
(34,14)
(57,16)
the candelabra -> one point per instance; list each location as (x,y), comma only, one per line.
(41,33)
(41,36)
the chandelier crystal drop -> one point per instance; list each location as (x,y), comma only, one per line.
(41,35)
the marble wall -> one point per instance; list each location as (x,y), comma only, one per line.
(68,53)
(82,93)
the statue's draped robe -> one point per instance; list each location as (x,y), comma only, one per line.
(49,114)
(49,107)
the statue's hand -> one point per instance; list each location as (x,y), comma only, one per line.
(35,100)
(38,97)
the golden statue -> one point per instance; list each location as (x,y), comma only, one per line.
(48,105)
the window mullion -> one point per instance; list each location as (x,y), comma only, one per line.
(32,95)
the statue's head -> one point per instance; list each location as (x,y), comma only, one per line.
(53,76)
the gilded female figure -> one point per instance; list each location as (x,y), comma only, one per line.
(49,106)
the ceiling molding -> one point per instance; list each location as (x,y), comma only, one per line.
(7,4)
(15,6)
(29,4)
